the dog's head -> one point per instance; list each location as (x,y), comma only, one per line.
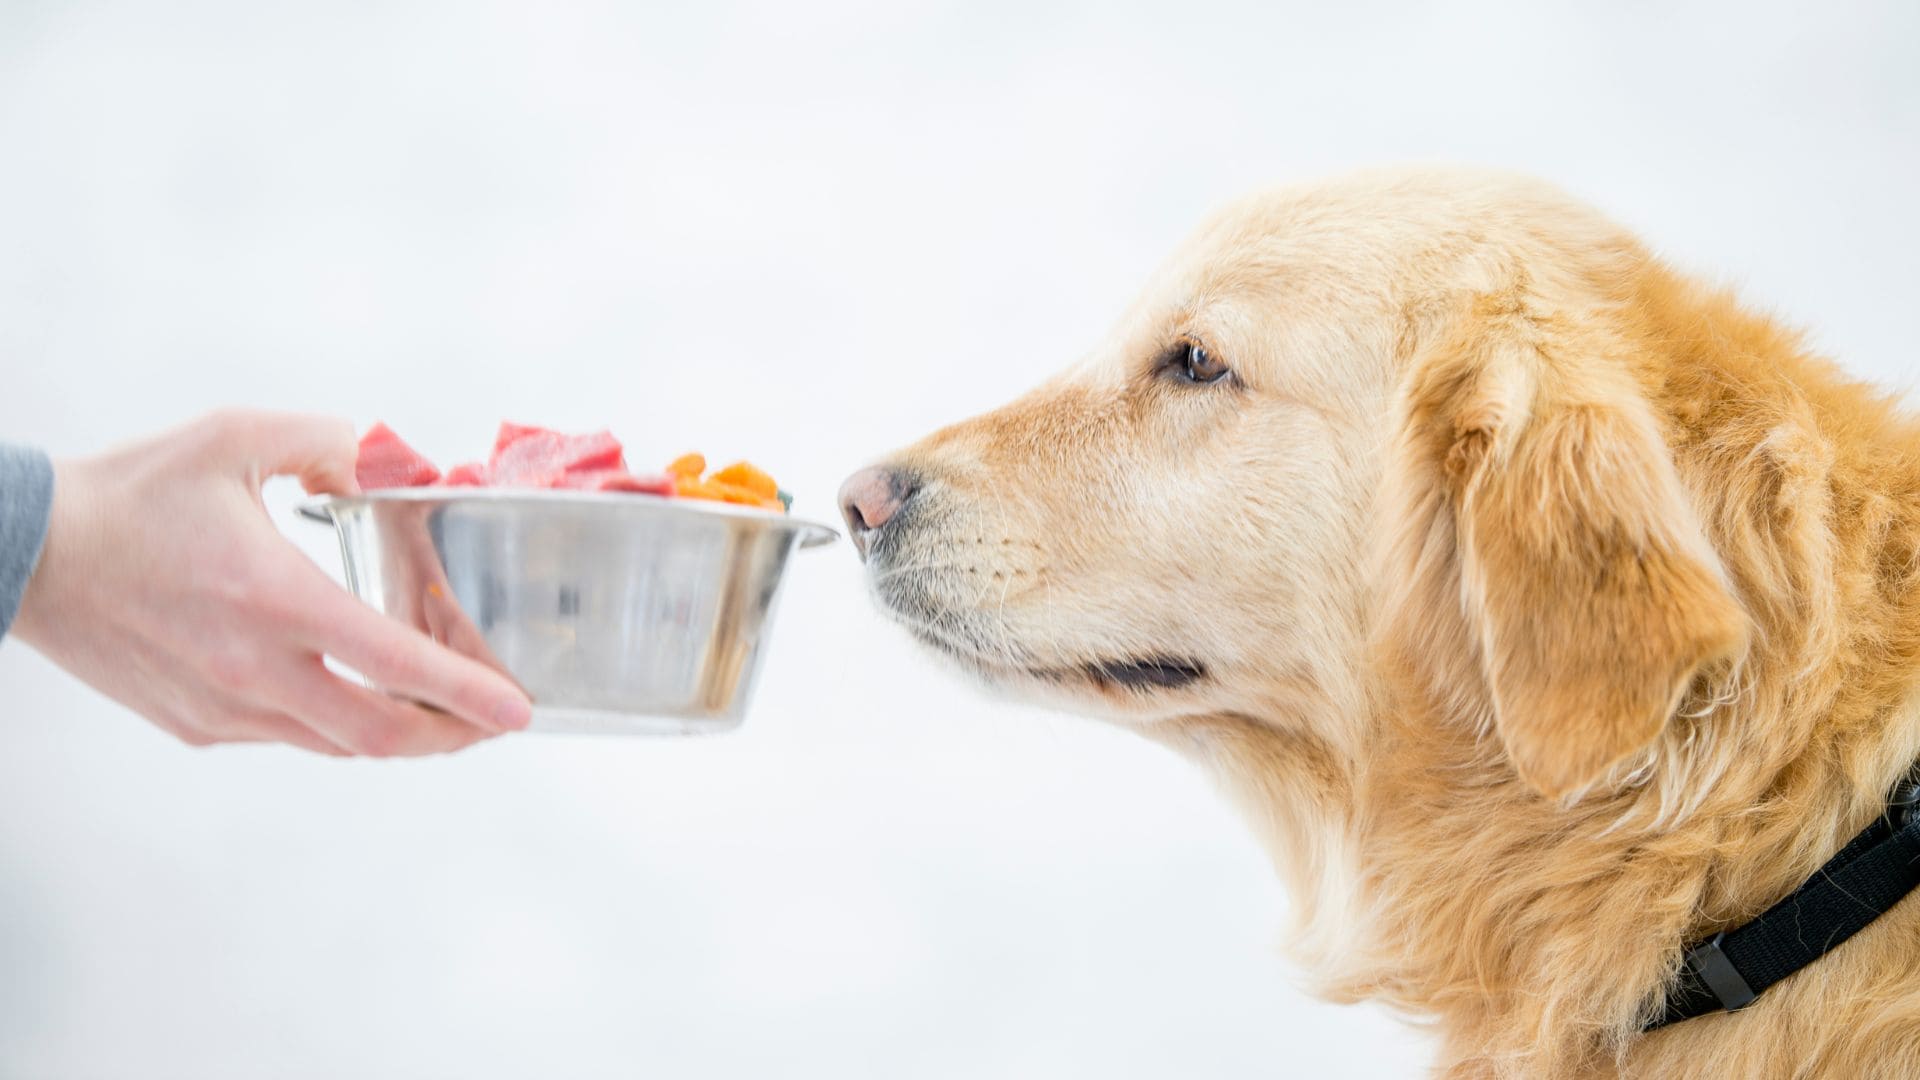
(1403,410)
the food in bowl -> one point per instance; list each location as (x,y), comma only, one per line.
(645,613)
(535,457)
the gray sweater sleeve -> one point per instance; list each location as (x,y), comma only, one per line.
(26,498)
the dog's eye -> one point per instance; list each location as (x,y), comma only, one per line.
(1197,365)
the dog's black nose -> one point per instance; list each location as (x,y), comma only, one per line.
(870,498)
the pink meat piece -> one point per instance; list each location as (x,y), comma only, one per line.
(387,462)
(615,480)
(525,457)
(534,457)
(471,474)
(511,433)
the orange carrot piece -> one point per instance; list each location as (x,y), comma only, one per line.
(740,483)
(744,474)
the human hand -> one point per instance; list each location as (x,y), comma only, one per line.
(164,585)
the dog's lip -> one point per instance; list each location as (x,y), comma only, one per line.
(1146,673)
(1136,674)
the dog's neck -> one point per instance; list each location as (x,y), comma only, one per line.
(1425,874)
(1533,933)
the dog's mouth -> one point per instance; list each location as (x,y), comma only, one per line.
(1151,673)
(983,643)
(1137,675)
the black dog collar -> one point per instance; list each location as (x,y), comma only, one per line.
(1870,875)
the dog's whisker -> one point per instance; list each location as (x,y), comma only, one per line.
(930,566)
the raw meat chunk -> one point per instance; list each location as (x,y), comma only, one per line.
(511,432)
(537,454)
(615,480)
(472,474)
(387,462)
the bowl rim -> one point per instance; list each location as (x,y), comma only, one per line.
(813,533)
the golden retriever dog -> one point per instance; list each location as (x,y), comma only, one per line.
(1545,610)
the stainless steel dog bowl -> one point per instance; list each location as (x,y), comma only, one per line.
(616,612)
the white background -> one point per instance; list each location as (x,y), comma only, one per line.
(801,233)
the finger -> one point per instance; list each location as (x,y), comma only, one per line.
(371,723)
(243,724)
(406,662)
(446,622)
(396,656)
(280,728)
(187,731)
(321,451)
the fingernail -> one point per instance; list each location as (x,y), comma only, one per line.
(512,714)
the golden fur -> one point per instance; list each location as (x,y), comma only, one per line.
(1556,610)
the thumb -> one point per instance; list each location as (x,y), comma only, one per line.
(321,451)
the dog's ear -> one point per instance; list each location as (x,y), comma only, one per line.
(1548,571)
